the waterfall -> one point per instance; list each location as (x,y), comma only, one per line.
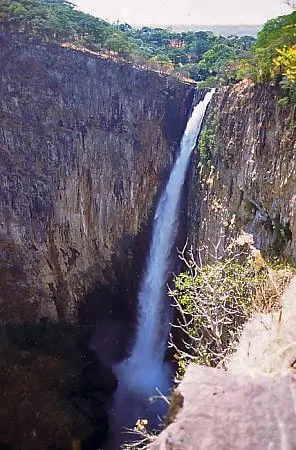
(144,370)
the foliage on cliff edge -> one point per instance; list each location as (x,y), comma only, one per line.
(273,58)
(213,300)
(197,55)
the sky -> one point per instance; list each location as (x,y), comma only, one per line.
(168,12)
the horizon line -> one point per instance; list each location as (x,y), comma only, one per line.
(145,24)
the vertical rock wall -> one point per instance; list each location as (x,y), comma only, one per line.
(86,144)
(243,173)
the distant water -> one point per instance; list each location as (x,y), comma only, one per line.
(144,371)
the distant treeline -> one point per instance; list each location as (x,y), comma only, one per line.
(203,56)
(197,55)
(225,30)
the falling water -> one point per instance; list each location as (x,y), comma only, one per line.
(144,371)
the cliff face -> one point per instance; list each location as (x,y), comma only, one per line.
(243,177)
(86,144)
(243,174)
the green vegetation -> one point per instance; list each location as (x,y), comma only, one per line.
(276,38)
(205,145)
(198,55)
(54,21)
(206,139)
(273,58)
(215,299)
(209,59)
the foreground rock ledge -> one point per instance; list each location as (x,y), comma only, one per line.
(223,412)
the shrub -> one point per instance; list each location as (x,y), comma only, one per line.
(214,300)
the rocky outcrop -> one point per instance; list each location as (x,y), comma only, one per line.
(232,412)
(243,174)
(251,405)
(86,144)
(243,177)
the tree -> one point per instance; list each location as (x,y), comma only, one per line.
(178,56)
(161,63)
(215,60)
(287,62)
(213,301)
(124,27)
(118,43)
(275,35)
(199,47)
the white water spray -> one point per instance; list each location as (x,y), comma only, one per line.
(144,370)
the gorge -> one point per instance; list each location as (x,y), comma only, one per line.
(87,147)
(76,229)
(145,374)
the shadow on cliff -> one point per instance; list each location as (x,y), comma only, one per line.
(109,313)
(54,391)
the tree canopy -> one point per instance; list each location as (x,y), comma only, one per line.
(201,55)
(276,35)
(195,54)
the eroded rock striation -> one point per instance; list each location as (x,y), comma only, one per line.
(243,174)
(86,144)
(243,177)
